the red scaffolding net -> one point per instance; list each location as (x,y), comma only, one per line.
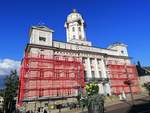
(119,74)
(43,76)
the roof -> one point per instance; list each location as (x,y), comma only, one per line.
(40,27)
(74,16)
(43,28)
(117,44)
(29,46)
(147,69)
(143,71)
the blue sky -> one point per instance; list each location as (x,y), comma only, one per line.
(108,21)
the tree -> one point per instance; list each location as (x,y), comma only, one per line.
(147,86)
(1,92)
(92,88)
(129,83)
(10,91)
(92,100)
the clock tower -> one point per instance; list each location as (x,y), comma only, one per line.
(75,29)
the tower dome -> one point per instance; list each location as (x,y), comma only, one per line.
(75,29)
(74,17)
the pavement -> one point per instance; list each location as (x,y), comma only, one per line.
(141,105)
(114,105)
(110,102)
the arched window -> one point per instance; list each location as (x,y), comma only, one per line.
(80,37)
(122,51)
(74,36)
(79,28)
(73,29)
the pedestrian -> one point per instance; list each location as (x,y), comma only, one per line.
(28,111)
(123,95)
(59,107)
(38,111)
(45,111)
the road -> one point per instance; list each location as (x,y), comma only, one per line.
(141,106)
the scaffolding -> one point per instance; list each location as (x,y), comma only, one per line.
(118,74)
(44,76)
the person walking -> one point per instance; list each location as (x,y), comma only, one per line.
(45,111)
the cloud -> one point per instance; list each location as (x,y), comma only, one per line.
(6,65)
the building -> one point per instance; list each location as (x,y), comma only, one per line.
(1,103)
(145,78)
(143,73)
(61,69)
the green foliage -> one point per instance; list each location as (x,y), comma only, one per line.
(2,92)
(10,91)
(95,99)
(92,88)
(147,86)
(96,104)
(92,100)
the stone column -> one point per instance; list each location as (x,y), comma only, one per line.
(83,32)
(106,86)
(89,68)
(103,67)
(101,89)
(67,34)
(96,69)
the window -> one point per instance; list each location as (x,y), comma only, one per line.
(41,92)
(122,51)
(74,36)
(74,59)
(100,74)
(57,57)
(73,29)
(91,60)
(41,74)
(42,39)
(41,56)
(67,74)
(80,37)
(93,74)
(41,53)
(41,50)
(99,61)
(85,76)
(46,104)
(57,74)
(79,28)
(66,59)
(83,60)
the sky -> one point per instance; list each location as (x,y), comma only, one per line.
(108,21)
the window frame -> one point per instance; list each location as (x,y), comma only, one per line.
(42,39)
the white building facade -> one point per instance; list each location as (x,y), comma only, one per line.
(1,103)
(94,59)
